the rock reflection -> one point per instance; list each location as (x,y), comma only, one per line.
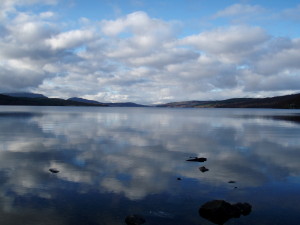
(54,170)
(220,211)
(203,169)
(197,159)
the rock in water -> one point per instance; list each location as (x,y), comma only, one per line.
(203,169)
(196,159)
(134,220)
(53,170)
(220,211)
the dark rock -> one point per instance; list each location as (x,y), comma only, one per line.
(196,159)
(203,169)
(220,211)
(134,220)
(53,170)
(178,178)
(231,182)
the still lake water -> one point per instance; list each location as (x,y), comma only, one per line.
(116,162)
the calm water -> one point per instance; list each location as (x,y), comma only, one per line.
(115,162)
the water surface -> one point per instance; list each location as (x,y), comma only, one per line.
(115,162)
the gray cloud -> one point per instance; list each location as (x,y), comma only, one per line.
(139,58)
(283,59)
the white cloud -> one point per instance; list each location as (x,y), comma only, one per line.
(9,6)
(70,39)
(280,60)
(140,58)
(229,40)
(240,10)
(47,15)
(139,23)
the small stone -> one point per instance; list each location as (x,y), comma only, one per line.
(178,178)
(196,159)
(203,169)
(53,170)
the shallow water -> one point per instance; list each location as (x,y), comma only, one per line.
(115,162)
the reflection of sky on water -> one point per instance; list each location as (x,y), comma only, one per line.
(118,161)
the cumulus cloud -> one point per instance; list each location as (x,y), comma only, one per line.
(138,23)
(139,58)
(281,60)
(232,40)
(70,39)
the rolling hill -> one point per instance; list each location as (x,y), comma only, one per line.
(279,102)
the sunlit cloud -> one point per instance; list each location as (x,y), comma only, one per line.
(141,58)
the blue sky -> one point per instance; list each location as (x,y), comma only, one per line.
(150,51)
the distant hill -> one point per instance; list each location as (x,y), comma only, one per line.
(9,100)
(118,104)
(280,102)
(125,104)
(25,95)
(75,99)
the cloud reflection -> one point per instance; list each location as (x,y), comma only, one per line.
(121,152)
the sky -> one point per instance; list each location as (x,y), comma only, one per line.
(150,52)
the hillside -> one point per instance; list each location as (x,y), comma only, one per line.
(8,100)
(117,104)
(125,104)
(279,102)
(25,95)
(82,100)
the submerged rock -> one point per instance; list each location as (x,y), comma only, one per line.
(203,169)
(53,170)
(220,211)
(134,220)
(197,159)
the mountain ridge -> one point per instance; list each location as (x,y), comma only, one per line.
(24,95)
(33,101)
(279,102)
(116,104)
